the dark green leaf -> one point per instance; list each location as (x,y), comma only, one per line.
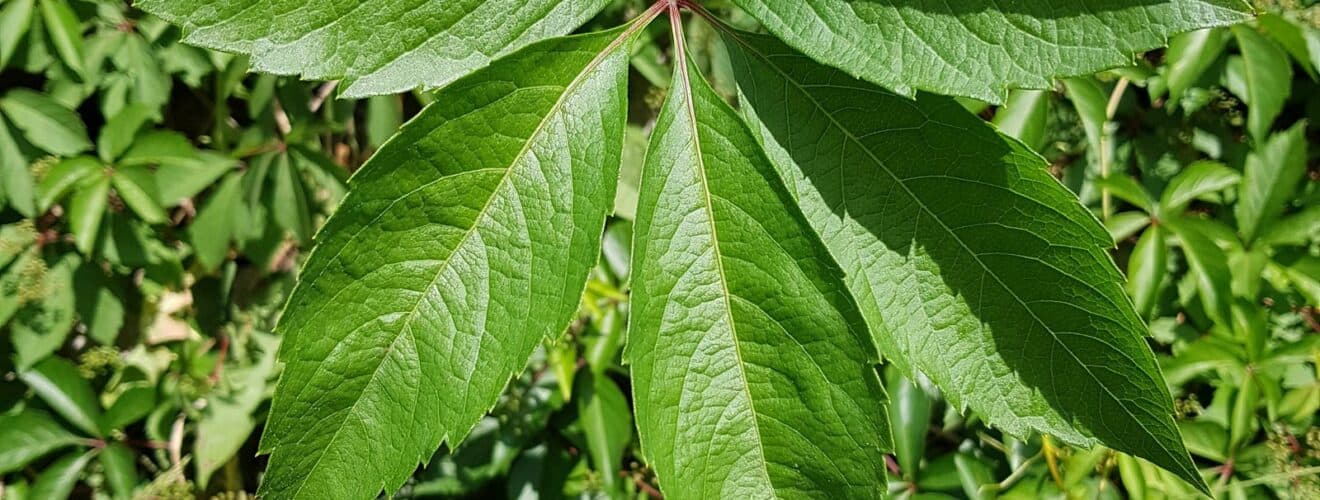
(1209,267)
(182,171)
(213,229)
(429,44)
(981,48)
(751,372)
(132,405)
(996,293)
(473,232)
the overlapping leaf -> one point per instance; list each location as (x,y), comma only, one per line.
(970,263)
(376,46)
(981,48)
(464,242)
(752,374)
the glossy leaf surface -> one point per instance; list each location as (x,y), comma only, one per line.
(465,240)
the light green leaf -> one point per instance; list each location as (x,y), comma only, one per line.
(1300,39)
(136,186)
(1209,267)
(58,479)
(182,171)
(118,133)
(1147,268)
(1129,190)
(981,48)
(29,435)
(752,375)
(1190,55)
(46,123)
(1197,180)
(1091,102)
(909,407)
(212,231)
(62,178)
(15,178)
(87,207)
(472,233)
(384,115)
(117,462)
(1272,172)
(42,325)
(996,293)
(429,45)
(287,200)
(65,31)
(1299,229)
(1268,78)
(131,406)
(57,382)
(1123,225)
(1023,117)
(607,423)
(14,20)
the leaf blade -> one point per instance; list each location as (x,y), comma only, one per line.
(980,48)
(944,279)
(490,204)
(333,41)
(733,297)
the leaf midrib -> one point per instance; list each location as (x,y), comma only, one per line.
(481,214)
(851,137)
(690,108)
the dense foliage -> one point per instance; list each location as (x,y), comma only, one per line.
(157,202)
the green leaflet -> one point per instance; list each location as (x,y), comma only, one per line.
(969,261)
(1271,173)
(376,46)
(464,241)
(1268,76)
(981,48)
(752,374)
(29,435)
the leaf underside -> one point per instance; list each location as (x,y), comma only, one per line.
(981,48)
(464,242)
(969,261)
(752,374)
(375,46)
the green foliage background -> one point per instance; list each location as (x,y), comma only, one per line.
(156,200)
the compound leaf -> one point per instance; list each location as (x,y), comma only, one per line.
(376,46)
(464,242)
(969,261)
(752,374)
(981,48)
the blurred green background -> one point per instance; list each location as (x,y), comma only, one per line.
(156,201)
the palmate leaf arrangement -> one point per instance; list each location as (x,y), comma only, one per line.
(843,214)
